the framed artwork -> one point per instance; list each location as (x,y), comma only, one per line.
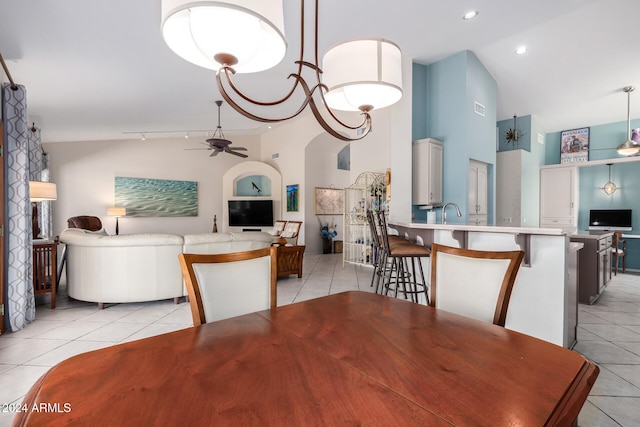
(574,146)
(635,137)
(328,201)
(293,198)
(344,158)
(156,197)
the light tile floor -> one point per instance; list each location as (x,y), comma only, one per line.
(609,334)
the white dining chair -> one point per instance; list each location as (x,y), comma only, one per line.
(473,283)
(221,286)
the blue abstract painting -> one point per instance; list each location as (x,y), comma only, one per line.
(156,197)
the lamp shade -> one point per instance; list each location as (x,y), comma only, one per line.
(117,211)
(628,148)
(252,31)
(363,74)
(40,190)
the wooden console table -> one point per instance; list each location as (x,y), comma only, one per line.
(45,260)
(290,260)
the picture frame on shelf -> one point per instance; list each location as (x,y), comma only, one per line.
(574,145)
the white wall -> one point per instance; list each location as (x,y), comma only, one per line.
(391,136)
(509,187)
(321,170)
(84,173)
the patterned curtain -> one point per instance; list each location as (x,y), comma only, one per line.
(38,172)
(20,298)
(46,217)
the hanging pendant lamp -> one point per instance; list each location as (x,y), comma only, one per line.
(628,147)
(609,187)
(244,36)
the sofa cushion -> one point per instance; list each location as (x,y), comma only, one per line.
(79,237)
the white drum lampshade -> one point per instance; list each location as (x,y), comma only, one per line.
(362,75)
(252,31)
(117,211)
(40,191)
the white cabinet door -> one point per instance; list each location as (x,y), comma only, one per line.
(427,172)
(558,199)
(435,173)
(478,198)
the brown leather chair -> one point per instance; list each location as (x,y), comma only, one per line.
(86,222)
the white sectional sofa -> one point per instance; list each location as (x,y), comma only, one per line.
(139,267)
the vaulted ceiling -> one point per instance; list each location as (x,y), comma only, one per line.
(99,69)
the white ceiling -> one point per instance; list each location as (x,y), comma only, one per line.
(97,69)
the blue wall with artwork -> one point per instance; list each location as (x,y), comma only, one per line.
(603,140)
(523,125)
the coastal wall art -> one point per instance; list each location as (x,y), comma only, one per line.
(156,197)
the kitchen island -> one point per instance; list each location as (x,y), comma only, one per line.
(544,299)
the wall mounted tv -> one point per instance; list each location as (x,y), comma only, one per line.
(250,213)
(610,219)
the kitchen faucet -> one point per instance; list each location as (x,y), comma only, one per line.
(444,211)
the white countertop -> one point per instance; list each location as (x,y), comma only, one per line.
(485,228)
(596,235)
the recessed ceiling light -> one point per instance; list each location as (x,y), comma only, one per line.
(470,15)
(521,50)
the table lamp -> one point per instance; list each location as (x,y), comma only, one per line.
(117,212)
(38,192)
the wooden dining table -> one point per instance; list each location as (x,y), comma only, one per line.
(353,358)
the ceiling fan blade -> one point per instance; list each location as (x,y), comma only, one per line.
(239,148)
(215,153)
(197,148)
(236,154)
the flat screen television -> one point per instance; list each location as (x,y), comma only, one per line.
(250,213)
(610,219)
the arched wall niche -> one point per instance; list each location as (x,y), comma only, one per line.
(238,173)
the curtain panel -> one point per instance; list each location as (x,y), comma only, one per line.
(20,304)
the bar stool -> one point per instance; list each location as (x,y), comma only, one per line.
(377,256)
(402,256)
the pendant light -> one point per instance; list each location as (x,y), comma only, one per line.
(628,147)
(245,36)
(609,187)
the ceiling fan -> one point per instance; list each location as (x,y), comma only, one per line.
(218,143)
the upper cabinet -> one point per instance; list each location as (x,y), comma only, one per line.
(559,197)
(427,172)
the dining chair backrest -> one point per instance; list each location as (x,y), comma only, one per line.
(291,232)
(278,228)
(473,283)
(228,285)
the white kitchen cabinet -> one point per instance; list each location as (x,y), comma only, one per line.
(478,194)
(559,197)
(427,172)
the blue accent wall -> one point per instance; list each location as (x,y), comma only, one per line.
(443,96)
(592,178)
(419,102)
